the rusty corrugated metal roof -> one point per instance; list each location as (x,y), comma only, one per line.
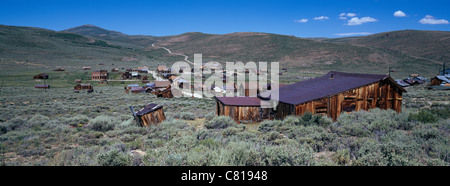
(162,84)
(162,68)
(325,86)
(240,101)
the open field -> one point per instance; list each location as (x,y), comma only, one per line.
(59,127)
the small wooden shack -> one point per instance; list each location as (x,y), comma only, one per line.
(41,76)
(143,70)
(83,87)
(439,80)
(145,79)
(127,75)
(241,109)
(166,93)
(151,114)
(162,69)
(338,92)
(86,68)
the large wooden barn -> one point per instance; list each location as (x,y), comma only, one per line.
(338,92)
(328,95)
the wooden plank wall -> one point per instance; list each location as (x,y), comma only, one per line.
(435,82)
(153,118)
(239,113)
(383,95)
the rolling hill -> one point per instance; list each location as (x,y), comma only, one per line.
(433,45)
(296,53)
(34,48)
(290,50)
(117,38)
(91,44)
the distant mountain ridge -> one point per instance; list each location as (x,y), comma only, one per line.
(49,48)
(136,41)
(433,45)
(94,31)
(408,51)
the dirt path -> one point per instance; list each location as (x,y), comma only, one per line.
(186,58)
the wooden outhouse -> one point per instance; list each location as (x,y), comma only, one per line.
(151,114)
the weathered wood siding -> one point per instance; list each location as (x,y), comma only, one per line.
(239,113)
(83,87)
(436,82)
(153,118)
(383,95)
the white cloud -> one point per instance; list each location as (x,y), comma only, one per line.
(354,34)
(345,16)
(321,18)
(301,21)
(360,21)
(351,14)
(430,20)
(400,14)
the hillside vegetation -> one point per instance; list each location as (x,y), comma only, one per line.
(426,44)
(26,51)
(61,128)
(343,54)
(293,52)
(118,38)
(88,44)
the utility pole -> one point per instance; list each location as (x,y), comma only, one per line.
(443,71)
(390,70)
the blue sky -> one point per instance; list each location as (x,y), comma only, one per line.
(320,18)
